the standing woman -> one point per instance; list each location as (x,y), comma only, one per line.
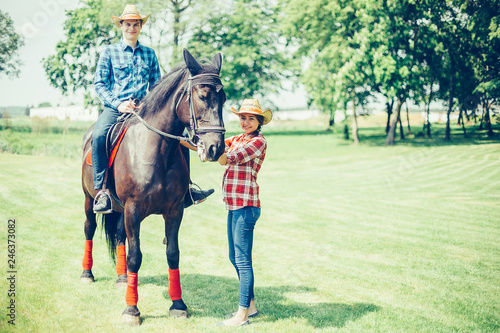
(243,158)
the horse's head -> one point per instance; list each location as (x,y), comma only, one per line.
(206,97)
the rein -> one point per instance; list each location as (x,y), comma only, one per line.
(208,79)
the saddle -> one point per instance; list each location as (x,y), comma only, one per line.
(113,138)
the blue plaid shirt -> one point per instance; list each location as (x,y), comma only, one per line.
(123,72)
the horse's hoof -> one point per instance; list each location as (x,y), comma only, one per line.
(131,320)
(87,276)
(179,313)
(121,282)
(87,280)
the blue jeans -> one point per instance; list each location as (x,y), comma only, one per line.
(240,225)
(99,157)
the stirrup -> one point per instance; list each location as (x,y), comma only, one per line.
(98,195)
(191,195)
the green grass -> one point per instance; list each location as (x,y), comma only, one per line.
(351,238)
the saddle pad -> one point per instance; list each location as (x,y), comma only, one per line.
(113,151)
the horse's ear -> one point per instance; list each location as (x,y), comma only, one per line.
(217,61)
(193,65)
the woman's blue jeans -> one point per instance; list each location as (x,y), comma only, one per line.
(240,225)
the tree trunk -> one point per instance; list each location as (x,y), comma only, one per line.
(487,119)
(331,121)
(428,114)
(447,134)
(389,113)
(408,118)
(346,123)
(176,29)
(354,122)
(461,118)
(389,141)
(401,131)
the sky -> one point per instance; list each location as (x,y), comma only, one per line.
(41,24)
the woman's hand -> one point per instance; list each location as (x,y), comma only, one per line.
(223,159)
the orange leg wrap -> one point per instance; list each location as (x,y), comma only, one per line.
(131,297)
(87,256)
(174,284)
(121,261)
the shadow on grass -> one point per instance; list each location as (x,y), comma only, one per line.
(214,296)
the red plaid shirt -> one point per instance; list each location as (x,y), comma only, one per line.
(245,155)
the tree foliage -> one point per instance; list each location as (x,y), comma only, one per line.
(247,34)
(87,29)
(10,43)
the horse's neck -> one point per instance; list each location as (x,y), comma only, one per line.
(164,121)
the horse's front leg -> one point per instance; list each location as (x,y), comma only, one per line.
(172,225)
(131,315)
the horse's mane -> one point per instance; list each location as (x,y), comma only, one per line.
(158,95)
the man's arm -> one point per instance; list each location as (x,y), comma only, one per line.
(155,73)
(102,79)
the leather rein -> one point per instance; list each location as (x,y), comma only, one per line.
(193,123)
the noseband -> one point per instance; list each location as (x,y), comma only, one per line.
(206,79)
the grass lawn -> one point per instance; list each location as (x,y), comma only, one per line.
(351,238)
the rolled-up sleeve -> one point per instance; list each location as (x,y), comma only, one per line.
(155,72)
(255,148)
(103,80)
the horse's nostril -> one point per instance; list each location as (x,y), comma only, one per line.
(213,151)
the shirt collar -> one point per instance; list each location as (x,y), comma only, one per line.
(125,45)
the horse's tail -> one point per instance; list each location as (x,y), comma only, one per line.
(111,223)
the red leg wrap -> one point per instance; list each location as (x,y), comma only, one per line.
(87,256)
(121,260)
(131,297)
(174,284)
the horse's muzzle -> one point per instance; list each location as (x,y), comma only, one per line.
(212,146)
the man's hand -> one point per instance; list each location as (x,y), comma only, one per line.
(127,107)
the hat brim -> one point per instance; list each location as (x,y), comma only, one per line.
(116,20)
(267,115)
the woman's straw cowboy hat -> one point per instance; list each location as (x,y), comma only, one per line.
(129,13)
(253,106)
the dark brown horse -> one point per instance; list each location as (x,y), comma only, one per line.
(150,173)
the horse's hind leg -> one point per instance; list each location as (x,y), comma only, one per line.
(90,226)
(121,259)
(172,225)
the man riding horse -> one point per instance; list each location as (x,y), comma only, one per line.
(125,72)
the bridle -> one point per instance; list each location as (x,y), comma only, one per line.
(195,129)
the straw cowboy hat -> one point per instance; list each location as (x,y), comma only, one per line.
(253,106)
(129,13)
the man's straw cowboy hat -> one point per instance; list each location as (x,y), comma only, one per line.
(129,13)
(252,106)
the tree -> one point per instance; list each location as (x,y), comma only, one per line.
(247,34)
(336,39)
(10,43)
(44,105)
(87,29)
(484,25)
